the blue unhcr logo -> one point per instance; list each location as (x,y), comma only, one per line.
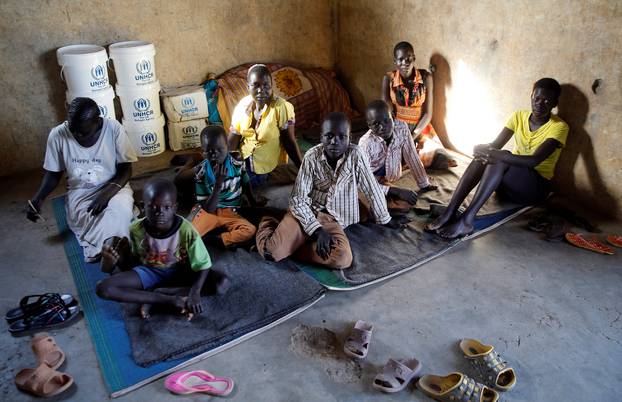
(100,79)
(142,104)
(144,69)
(103,111)
(188,107)
(98,72)
(187,102)
(149,138)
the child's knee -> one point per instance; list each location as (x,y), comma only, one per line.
(103,289)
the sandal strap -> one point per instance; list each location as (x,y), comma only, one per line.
(489,366)
(397,369)
(39,378)
(468,391)
(359,336)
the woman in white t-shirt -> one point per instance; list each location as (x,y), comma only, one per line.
(97,157)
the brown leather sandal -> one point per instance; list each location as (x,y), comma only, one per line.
(42,381)
(47,351)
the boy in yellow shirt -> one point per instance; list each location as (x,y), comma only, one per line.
(523,175)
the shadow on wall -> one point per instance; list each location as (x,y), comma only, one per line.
(441,73)
(574,108)
(56,94)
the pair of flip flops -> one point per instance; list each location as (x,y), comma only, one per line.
(489,367)
(198,381)
(44,311)
(44,380)
(395,375)
(593,244)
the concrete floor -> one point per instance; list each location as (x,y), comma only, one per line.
(552,310)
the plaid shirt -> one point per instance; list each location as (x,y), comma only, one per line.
(320,188)
(390,157)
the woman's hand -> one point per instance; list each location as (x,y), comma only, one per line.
(33,210)
(103,198)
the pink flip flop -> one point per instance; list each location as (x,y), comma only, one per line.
(189,382)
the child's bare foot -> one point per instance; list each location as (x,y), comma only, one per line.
(180,303)
(456,229)
(145,311)
(109,259)
(440,221)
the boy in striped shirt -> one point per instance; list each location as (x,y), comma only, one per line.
(324,201)
(220,180)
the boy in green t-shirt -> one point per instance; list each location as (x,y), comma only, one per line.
(165,250)
(524,175)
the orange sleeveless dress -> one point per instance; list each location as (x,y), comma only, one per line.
(408,105)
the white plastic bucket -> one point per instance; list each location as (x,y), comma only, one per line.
(133,62)
(146,137)
(83,68)
(103,98)
(140,104)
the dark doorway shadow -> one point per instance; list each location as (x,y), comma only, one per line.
(56,95)
(574,108)
(441,72)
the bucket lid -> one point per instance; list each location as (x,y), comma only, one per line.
(72,53)
(123,90)
(156,123)
(107,93)
(130,48)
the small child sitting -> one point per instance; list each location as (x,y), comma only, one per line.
(220,180)
(164,250)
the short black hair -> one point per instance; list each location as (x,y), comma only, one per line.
(337,117)
(549,83)
(403,46)
(377,104)
(260,69)
(213,130)
(81,109)
(158,186)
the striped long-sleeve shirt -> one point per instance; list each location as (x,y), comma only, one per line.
(390,157)
(320,188)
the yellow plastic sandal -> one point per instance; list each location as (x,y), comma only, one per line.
(489,365)
(456,387)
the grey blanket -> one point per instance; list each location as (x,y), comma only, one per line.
(260,293)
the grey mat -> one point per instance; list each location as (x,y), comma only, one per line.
(260,294)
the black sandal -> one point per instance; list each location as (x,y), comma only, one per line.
(57,314)
(28,307)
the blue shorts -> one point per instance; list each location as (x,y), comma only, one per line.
(152,277)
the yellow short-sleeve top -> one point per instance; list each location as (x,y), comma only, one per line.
(526,142)
(262,142)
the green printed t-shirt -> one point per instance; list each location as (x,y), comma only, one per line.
(526,142)
(181,247)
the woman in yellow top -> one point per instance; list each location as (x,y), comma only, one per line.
(408,91)
(262,127)
(524,175)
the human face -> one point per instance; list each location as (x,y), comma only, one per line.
(260,88)
(405,62)
(86,128)
(335,137)
(542,102)
(160,210)
(380,122)
(215,148)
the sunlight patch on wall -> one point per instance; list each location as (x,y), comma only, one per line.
(470,110)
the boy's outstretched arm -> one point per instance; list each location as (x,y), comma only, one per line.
(48,184)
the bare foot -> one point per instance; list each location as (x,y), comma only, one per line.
(440,221)
(145,311)
(110,257)
(456,229)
